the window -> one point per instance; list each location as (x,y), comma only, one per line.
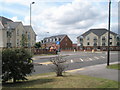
(95,38)
(59,39)
(110,43)
(29,36)
(81,39)
(17,32)
(9,44)
(118,43)
(42,41)
(103,44)
(95,44)
(45,41)
(17,42)
(88,38)
(118,38)
(110,37)
(103,38)
(8,34)
(88,43)
(55,39)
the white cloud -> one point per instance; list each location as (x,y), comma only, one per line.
(72,18)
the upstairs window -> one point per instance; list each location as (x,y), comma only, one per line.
(55,39)
(81,39)
(103,38)
(95,38)
(17,32)
(110,37)
(59,39)
(88,38)
(118,38)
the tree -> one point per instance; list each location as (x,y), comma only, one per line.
(38,45)
(59,66)
(24,40)
(16,64)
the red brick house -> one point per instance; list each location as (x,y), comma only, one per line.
(59,41)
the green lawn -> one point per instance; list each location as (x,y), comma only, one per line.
(114,66)
(68,81)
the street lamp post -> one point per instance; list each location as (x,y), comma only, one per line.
(30,11)
(108,49)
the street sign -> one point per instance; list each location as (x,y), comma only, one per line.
(58,42)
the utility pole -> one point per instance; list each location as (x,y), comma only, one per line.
(108,49)
(30,11)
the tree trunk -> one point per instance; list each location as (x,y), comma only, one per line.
(59,73)
(14,80)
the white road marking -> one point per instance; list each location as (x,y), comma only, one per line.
(81,59)
(90,59)
(102,57)
(71,61)
(96,57)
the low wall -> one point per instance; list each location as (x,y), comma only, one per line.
(99,48)
(43,51)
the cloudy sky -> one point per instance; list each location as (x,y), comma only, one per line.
(71,17)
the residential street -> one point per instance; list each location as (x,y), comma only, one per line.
(75,60)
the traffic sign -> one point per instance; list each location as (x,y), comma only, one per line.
(58,42)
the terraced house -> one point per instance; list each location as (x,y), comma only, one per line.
(15,34)
(59,41)
(98,39)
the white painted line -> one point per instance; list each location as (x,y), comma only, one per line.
(71,61)
(96,57)
(102,57)
(81,59)
(90,59)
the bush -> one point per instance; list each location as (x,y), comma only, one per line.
(59,65)
(16,64)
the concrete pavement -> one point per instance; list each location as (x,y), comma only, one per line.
(99,71)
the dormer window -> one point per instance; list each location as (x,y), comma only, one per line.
(55,39)
(59,39)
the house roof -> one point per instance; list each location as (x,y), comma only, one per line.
(27,27)
(13,25)
(98,32)
(56,36)
(4,20)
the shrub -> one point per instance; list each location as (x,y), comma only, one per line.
(59,67)
(16,64)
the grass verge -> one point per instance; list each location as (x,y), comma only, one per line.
(68,81)
(114,66)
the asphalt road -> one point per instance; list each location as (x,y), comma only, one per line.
(75,60)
